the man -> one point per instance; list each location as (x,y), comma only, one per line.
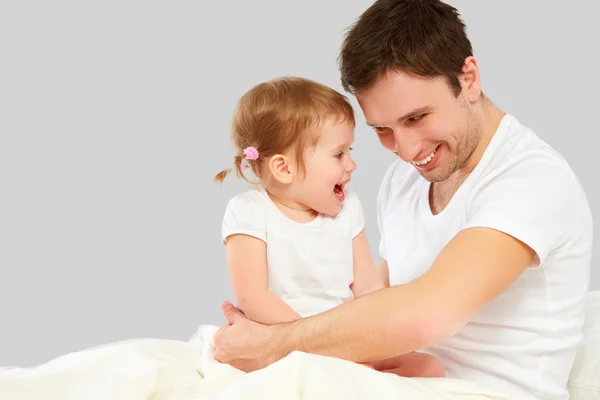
(486,233)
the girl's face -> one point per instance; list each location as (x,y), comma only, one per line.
(328,168)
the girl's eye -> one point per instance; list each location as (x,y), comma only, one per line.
(341,153)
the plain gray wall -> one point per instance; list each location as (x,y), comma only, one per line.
(114,117)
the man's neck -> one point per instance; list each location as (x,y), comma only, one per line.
(442,192)
(491,116)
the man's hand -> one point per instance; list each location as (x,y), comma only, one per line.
(243,343)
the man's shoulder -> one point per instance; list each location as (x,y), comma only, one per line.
(527,175)
(522,154)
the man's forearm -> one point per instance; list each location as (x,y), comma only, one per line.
(377,326)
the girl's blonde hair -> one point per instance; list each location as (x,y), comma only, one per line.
(278,115)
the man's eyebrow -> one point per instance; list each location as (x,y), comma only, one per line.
(413,113)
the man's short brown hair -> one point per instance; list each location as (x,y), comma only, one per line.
(423,37)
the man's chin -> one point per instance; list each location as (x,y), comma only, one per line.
(433,175)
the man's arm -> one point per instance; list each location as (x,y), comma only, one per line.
(247,261)
(475,267)
(510,220)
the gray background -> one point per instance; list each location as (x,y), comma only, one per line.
(114,117)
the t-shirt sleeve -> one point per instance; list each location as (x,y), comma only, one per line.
(245,214)
(356,212)
(532,201)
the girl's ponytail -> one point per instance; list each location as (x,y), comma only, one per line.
(239,163)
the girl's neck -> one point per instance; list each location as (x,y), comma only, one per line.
(292,209)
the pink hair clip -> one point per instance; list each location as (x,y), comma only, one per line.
(251,153)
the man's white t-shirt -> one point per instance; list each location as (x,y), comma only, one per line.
(309,264)
(524,342)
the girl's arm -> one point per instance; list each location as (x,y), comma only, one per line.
(247,261)
(366,277)
(384,272)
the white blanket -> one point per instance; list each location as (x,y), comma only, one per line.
(155,369)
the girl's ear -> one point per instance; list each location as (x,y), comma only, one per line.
(280,168)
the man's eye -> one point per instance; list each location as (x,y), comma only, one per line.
(416,118)
(381,129)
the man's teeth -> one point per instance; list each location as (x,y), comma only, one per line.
(426,159)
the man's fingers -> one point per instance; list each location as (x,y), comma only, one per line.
(219,334)
(219,356)
(231,312)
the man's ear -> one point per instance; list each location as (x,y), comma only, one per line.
(470,80)
(280,168)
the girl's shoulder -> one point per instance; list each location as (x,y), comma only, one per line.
(245,213)
(251,203)
(249,198)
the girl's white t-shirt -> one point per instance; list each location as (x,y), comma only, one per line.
(310,265)
(524,342)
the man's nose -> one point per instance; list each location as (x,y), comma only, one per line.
(408,145)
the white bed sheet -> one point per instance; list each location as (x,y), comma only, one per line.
(155,369)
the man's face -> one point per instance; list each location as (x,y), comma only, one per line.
(422,121)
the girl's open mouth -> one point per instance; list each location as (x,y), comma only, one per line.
(338,190)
